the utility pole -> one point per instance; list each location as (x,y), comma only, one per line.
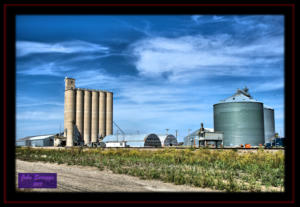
(117,135)
(176,133)
(167,131)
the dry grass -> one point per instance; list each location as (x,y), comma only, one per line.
(227,170)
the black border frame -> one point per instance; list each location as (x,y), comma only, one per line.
(9,12)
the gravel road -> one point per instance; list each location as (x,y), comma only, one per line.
(91,179)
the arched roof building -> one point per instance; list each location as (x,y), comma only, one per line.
(135,140)
(168,140)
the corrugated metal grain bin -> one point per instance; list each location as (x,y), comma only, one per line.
(241,119)
(269,123)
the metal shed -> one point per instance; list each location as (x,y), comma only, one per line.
(36,141)
(194,138)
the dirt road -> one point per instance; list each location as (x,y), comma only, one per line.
(91,179)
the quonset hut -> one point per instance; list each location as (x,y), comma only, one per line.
(134,140)
(241,119)
(168,140)
(141,140)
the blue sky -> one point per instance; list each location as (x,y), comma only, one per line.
(165,71)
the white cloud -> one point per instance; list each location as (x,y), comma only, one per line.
(93,78)
(216,55)
(218,18)
(268,85)
(196,18)
(49,69)
(24,48)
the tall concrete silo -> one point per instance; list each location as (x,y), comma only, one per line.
(79,111)
(109,113)
(87,117)
(65,120)
(269,123)
(69,115)
(95,116)
(102,113)
(241,119)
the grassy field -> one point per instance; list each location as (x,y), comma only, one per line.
(226,170)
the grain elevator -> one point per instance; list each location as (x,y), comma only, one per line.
(88,114)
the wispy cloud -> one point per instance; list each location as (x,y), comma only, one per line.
(26,47)
(196,18)
(268,85)
(48,69)
(199,19)
(216,55)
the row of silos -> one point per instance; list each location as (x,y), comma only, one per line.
(89,112)
(244,120)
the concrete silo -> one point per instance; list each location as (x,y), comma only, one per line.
(69,114)
(88,114)
(109,113)
(269,124)
(79,111)
(241,119)
(65,120)
(102,113)
(87,117)
(95,116)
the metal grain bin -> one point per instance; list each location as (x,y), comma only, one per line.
(269,124)
(241,119)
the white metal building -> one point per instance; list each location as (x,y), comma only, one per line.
(36,141)
(140,140)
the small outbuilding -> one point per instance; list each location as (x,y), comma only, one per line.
(36,141)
